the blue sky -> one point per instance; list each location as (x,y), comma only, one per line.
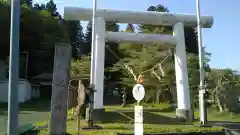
(220,40)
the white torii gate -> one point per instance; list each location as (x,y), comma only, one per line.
(178,21)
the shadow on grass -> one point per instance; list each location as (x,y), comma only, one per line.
(168,109)
(36,132)
(128,117)
(147,109)
(32,132)
(33,105)
(192,133)
(110,117)
(151,118)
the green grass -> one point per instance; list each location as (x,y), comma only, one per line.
(113,128)
(157,119)
(32,105)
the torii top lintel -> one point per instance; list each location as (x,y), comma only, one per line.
(137,17)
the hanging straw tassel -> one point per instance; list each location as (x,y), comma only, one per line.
(140,79)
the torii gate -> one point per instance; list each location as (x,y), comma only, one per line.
(178,21)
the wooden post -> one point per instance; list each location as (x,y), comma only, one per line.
(62,60)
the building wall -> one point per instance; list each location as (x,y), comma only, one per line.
(24,91)
(24,87)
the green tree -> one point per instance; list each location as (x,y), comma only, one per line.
(39,7)
(80,68)
(52,8)
(111,51)
(193,76)
(146,28)
(130,28)
(39,32)
(109,56)
(27,2)
(141,57)
(76,37)
(86,49)
(193,72)
(5,28)
(224,87)
(190,33)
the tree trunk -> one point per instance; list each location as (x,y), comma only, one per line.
(124,98)
(81,99)
(174,94)
(218,96)
(192,104)
(158,96)
(219,104)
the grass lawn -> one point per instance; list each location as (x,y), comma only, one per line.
(157,119)
(32,105)
(29,113)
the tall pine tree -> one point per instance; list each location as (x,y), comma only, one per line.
(156,28)
(52,8)
(86,48)
(190,33)
(39,7)
(27,2)
(76,37)
(110,59)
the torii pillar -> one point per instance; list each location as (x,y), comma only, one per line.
(183,110)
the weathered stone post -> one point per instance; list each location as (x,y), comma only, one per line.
(62,60)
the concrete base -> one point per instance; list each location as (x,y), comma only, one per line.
(97,114)
(184,115)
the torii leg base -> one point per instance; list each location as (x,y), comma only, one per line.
(184,115)
(92,126)
(97,114)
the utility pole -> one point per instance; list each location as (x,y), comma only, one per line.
(93,43)
(93,66)
(202,89)
(13,69)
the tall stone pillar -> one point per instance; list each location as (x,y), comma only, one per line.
(183,95)
(62,61)
(99,62)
